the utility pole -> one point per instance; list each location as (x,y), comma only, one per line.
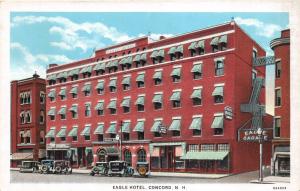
(260,136)
(121,139)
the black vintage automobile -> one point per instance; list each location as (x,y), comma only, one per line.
(100,168)
(120,168)
(143,169)
(47,166)
(55,167)
(29,166)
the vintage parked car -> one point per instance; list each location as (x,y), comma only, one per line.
(143,169)
(47,166)
(100,168)
(62,166)
(120,168)
(29,166)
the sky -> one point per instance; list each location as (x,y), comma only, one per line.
(39,39)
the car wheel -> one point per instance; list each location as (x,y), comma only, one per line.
(58,169)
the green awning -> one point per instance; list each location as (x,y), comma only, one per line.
(125,127)
(73,132)
(161,53)
(51,133)
(128,60)
(214,41)
(108,64)
(62,75)
(86,131)
(51,112)
(140,100)
(99,129)
(73,72)
(154,54)
(136,58)
(73,108)
(175,96)
(157,98)
(99,106)
(156,126)
(140,78)
(51,77)
(196,123)
(126,81)
(62,132)
(176,72)
(51,94)
(62,111)
(113,83)
(99,66)
(112,128)
(157,75)
(218,122)
(218,91)
(205,155)
(89,69)
(223,39)
(123,61)
(192,46)
(175,125)
(86,88)
(74,90)
(62,92)
(112,104)
(200,44)
(197,93)
(139,126)
(125,102)
(197,68)
(172,50)
(179,49)
(100,85)
(144,57)
(114,63)
(83,70)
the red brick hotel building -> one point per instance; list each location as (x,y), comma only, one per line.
(167,97)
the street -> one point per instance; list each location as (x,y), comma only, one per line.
(17,177)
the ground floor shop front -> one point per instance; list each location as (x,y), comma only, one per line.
(26,155)
(280,161)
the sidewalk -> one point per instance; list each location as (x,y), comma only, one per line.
(273,180)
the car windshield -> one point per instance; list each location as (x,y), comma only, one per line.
(27,165)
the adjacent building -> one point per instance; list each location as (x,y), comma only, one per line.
(281,141)
(158,101)
(28,119)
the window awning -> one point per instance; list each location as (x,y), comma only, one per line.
(51,94)
(126,81)
(223,39)
(22,156)
(175,125)
(218,91)
(140,78)
(200,44)
(86,131)
(214,41)
(112,64)
(51,112)
(62,75)
(125,102)
(125,127)
(112,83)
(140,100)
(154,54)
(156,126)
(112,128)
(157,98)
(172,50)
(73,108)
(74,90)
(99,106)
(128,60)
(99,129)
(99,66)
(218,122)
(51,77)
(196,123)
(62,92)
(62,111)
(179,49)
(175,96)
(197,68)
(73,132)
(100,85)
(112,104)
(50,134)
(205,155)
(176,72)
(144,57)
(123,61)
(62,132)
(83,70)
(192,46)
(86,88)
(161,53)
(137,58)
(73,72)
(139,126)
(157,75)
(197,93)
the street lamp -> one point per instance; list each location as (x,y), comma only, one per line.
(119,138)
(260,139)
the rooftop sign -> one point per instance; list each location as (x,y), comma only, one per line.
(128,46)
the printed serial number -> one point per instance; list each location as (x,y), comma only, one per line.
(279,188)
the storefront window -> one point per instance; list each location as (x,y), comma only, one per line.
(223,164)
(179,163)
(154,162)
(127,157)
(192,164)
(141,155)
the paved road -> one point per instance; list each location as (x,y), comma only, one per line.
(17,177)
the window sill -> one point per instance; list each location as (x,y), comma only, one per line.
(278,106)
(218,135)
(176,107)
(197,105)
(219,76)
(219,103)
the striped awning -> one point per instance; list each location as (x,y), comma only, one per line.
(175,125)
(157,98)
(51,112)
(22,156)
(73,132)
(51,94)
(125,102)
(140,100)
(113,83)
(214,41)
(161,53)
(99,66)
(200,44)
(154,54)
(73,72)
(144,57)
(139,127)
(205,155)
(175,96)
(112,104)
(218,122)
(223,39)
(125,127)
(99,129)
(62,111)
(140,78)
(62,75)
(62,132)
(112,128)
(192,46)
(172,50)
(51,77)
(86,131)
(196,123)
(51,133)
(197,68)
(86,88)
(136,58)
(218,91)
(100,85)
(157,75)
(176,72)
(73,108)
(126,80)
(197,93)
(74,90)
(62,92)
(99,106)
(156,126)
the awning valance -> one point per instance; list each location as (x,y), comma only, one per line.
(86,88)
(157,98)
(175,96)
(62,111)
(175,125)
(126,80)
(125,127)
(51,133)
(51,112)
(140,78)
(73,132)
(74,90)
(99,106)
(156,126)
(112,128)
(157,75)
(99,129)
(218,122)
(205,155)
(176,72)
(197,94)
(139,126)
(197,68)
(196,123)
(62,132)
(125,102)
(140,100)
(86,131)
(218,91)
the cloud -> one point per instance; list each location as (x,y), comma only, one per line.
(30,63)
(262,29)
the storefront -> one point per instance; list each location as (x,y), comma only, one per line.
(106,154)
(281,160)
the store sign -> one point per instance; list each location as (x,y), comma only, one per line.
(128,46)
(228,112)
(58,146)
(251,135)
(109,139)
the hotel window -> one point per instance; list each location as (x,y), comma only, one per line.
(254,54)
(74,74)
(157,77)
(218,94)
(100,87)
(141,155)
(175,127)
(42,97)
(126,136)
(100,108)
(51,113)
(42,135)
(277,97)
(140,80)
(126,105)
(140,102)
(254,74)
(42,117)
(157,101)
(74,92)
(277,127)
(62,113)
(87,137)
(74,77)
(87,110)
(200,47)
(86,132)
(27,136)
(126,63)
(176,74)
(215,44)
(208,147)
(112,106)
(223,42)
(22,140)
(278,69)
(218,124)
(128,157)
(86,89)
(140,135)
(197,71)
(223,147)
(112,69)
(51,95)
(22,117)
(99,137)
(100,72)
(139,128)
(62,94)
(175,99)
(74,111)
(126,83)
(219,68)
(156,128)
(157,56)
(99,68)
(86,71)
(196,126)
(193,148)
(113,85)
(52,82)
(28,117)
(197,96)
